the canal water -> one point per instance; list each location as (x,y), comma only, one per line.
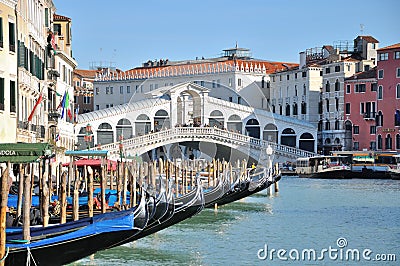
(311,222)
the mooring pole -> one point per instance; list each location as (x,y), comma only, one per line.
(90,191)
(27,206)
(3,212)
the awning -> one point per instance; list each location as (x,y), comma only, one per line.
(111,165)
(23,152)
(102,153)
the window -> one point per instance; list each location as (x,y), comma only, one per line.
(327,125)
(397,55)
(398,142)
(348,88)
(337,125)
(356,146)
(327,70)
(287,77)
(151,87)
(372,145)
(128,89)
(111,90)
(218,83)
(374,86)
(337,85)
(121,89)
(337,68)
(327,105)
(57,29)
(398,73)
(86,99)
(347,108)
(295,111)
(372,130)
(230,82)
(383,56)
(213,84)
(13,100)
(230,99)
(337,104)
(287,111)
(107,90)
(303,108)
(1,33)
(359,88)
(295,75)
(398,91)
(304,74)
(380,74)
(239,100)
(361,108)
(280,109)
(380,92)
(202,83)
(97,90)
(97,107)
(239,82)
(11,36)
(107,105)
(388,142)
(356,129)
(379,142)
(1,93)
(397,118)
(327,86)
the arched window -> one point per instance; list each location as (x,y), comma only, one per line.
(105,134)
(337,124)
(398,91)
(337,85)
(287,112)
(379,142)
(303,108)
(142,125)
(216,119)
(124,128)
(270,133)
(253,128)
(398,142)
(327,125)
(161,120)
(380,92)
(295,111)
(320,125)
(234,124)
(280,109)
(327,86)
(388,142)
(337,104)
(379,119)
(327,104)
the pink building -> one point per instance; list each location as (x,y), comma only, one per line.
(388,99)
(360,110)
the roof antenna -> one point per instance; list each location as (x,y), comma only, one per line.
(362,29)
(236,45)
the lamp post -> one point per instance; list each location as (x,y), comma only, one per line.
(88,136)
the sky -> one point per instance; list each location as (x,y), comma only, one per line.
(127,33)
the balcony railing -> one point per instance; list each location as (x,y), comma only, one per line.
(369,115)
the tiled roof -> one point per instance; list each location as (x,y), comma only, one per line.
(60,18)
(393,46)
(368,39)
(86,73)
(364,75)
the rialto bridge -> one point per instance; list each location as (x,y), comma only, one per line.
(184,120)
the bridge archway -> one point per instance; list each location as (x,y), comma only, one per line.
(105,134)
(161,120)
(253,128)
(288,137)
(306,142)
(270,133)
(216,119)
(142,125)
(234,124)
(124,128)
(189,107)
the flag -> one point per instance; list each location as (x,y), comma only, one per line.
(57,137)
(34,110)
(65,105)
(76,113)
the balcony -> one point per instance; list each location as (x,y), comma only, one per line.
(53,116)
(369,115)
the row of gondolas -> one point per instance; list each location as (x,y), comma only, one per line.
(157,208)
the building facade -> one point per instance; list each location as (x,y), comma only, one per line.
(360,110)
(388,98)
(83,89)
(8,71)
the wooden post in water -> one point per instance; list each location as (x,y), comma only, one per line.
(27,207)
(46,196)
(125,187)
(119,185)
(75,205)
(20,189)
(63,200)
(90,191)
(3,211)
(70,175)
(209,173)
(103,180)
(133,185)
(176,178)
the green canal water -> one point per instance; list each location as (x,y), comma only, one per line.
(345,222)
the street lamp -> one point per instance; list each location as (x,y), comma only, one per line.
(88,136)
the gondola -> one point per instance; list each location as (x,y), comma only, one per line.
(64,243)
(255,181)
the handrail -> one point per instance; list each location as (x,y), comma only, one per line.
(206,133)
